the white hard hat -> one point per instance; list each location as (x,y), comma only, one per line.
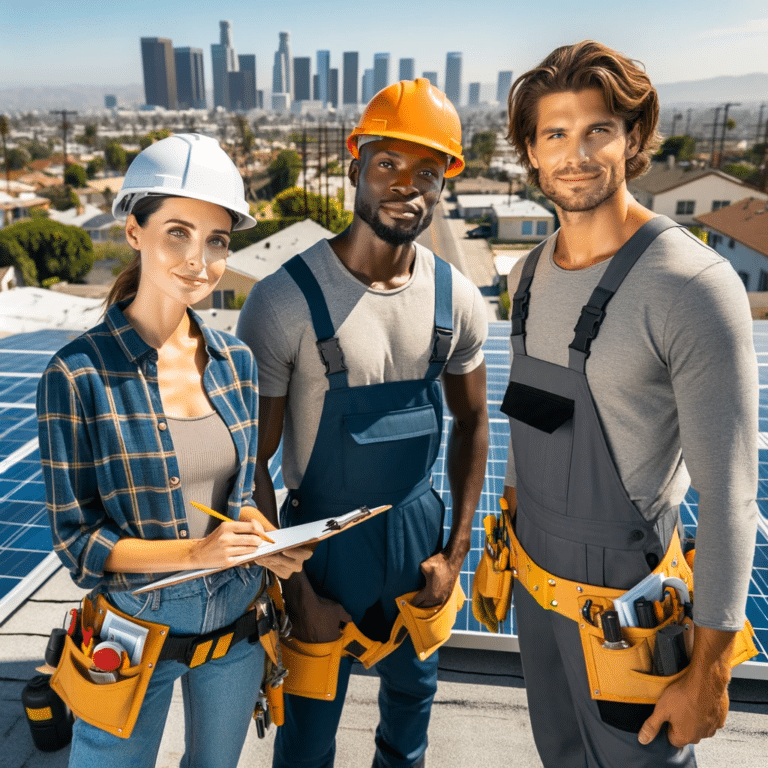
(185,165)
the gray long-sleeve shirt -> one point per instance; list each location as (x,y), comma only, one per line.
(673,374)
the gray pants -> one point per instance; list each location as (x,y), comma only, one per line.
(566,723)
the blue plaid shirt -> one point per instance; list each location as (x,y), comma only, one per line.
(108,460)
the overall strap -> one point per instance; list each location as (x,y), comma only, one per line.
(521,300)
(443,334)
(327,341)
(593,312)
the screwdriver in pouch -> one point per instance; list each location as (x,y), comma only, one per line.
(612,631)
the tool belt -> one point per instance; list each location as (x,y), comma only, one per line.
(313,668)
(492,583)
(114,707)
(624,674)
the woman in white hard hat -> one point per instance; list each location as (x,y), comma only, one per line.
(141,415)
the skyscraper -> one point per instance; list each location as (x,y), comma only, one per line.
(242,84)
(350,91)
(323,76)
(333,88)
(159,71)
(190,81)
(380,71)
(474,94)
(368,91)
(407,69)
(431,76)
(453,77)
(282,74)
(223,61)
(301,78)
(503,86)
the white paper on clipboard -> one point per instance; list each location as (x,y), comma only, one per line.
(284,538)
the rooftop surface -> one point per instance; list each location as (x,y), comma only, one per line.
(745,221)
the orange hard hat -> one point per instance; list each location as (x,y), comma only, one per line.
(413,110)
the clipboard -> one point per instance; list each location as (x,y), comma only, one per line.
(284,538)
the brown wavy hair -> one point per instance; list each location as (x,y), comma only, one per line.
(625,86)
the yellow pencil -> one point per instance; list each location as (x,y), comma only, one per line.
(218,516)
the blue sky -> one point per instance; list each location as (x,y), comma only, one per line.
(55,43)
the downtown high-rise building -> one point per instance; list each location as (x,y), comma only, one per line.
(474,94)
(223,61)
(368,91)
(503,86)
(323,76)
(350,74)
(453,77)
(282,72)
(242,84)
(190,80)
(333,87)
(407,69)
(301,78)
(380,71)
(431,76)
(159,72)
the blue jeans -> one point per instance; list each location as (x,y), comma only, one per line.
(219,696)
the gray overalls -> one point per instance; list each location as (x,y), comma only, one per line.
(575,519)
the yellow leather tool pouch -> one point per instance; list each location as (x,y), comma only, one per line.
(113,707)
(313,668)
(492,585)
(429,628)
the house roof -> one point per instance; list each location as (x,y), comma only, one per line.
(485,200)
(521,209)
(267,256)
(24,310)
(745,221)
(479,185)
(660,178)
(71,215)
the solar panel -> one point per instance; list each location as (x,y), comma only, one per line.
(25,544)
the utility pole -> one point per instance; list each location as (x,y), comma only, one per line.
(677,116)
(688,122)
(64,127)
(759,124)
(4,132)
(304,163)
(725,124)
(714,136)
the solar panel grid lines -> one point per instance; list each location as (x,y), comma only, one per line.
(25,545)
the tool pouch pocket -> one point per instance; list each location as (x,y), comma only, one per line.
(493,585)
(429,628)
(313,668)
(113,707)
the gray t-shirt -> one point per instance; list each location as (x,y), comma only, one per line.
(386,335)
(673,374)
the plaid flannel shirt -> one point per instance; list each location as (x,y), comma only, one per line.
(108,460)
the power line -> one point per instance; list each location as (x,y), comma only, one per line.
(64,127)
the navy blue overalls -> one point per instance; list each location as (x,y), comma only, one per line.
(375,445)
(575,519)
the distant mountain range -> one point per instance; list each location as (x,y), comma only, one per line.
(715,90)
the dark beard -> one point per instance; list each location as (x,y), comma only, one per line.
(391,235)
(585,202)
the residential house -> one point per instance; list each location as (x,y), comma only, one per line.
(739,232)
(100,226)
(249,265)
(478,206)
(684,192)
(16,207)
(522,220)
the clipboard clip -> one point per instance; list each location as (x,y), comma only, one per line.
(338,523)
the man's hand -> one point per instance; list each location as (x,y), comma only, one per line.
(696,705)
(314,619)
(441,576)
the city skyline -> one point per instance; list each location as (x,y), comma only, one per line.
(699,41)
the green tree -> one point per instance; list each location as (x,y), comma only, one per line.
(483,146)
(38,150)
(16,158)
(94,167)
(114,155)
(152,137)
(75,176)
(90,135)
(680,147)
(57,250)
(290,204)
(4,128)
(284,170)
(13,255)
(61,196)
(742,171)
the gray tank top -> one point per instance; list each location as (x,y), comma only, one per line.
(207,463)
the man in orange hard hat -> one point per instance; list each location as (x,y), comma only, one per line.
(352,338)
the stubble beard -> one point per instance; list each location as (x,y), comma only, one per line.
(580,202)
(391,235)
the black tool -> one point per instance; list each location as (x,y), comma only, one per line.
(669,655)
(646,616)
(55,646)
(612,631)
(50,722)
